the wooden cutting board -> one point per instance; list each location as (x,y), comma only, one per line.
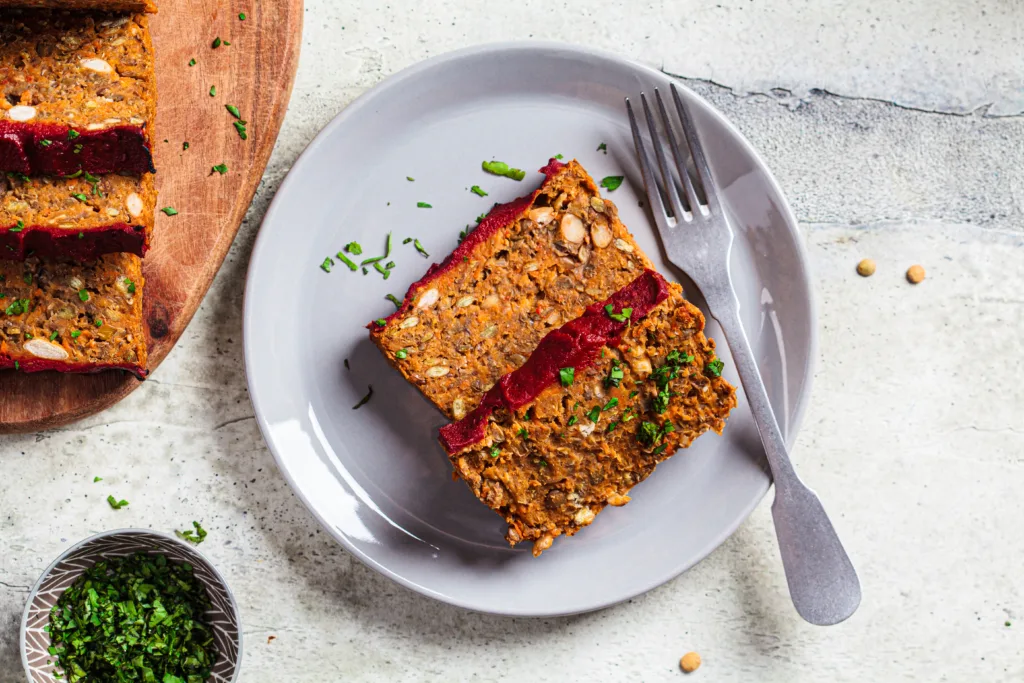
(255,73)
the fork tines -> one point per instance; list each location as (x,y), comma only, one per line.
(666,191)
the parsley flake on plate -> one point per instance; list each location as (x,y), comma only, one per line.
(566,376)
(503,169)
(612,182)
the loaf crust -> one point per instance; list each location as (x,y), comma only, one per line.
(76,218)
(529,267)
(77,91)
(71,317)
(542,462)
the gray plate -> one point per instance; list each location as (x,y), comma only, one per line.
(376,477)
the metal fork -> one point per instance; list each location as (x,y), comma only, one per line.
(822,581)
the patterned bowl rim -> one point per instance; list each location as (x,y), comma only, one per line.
(118,532)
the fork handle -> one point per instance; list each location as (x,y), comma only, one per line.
(823,583)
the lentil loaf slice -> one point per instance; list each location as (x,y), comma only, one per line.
(80,217)
(72,317)
(530,266)
(596,407)
(77,92)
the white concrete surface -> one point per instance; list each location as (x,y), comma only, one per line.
(915,436)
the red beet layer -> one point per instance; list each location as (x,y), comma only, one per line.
(575,344)
(498,217)
(42,364)
(77,245)
(47,149)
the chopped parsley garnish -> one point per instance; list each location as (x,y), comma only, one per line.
(72,134)
(714,367)
(347,261)
(503,169)
(221,168)
(481,217)
(381,322)
(567,375)
(615,375)
(410,178)
(192,62)
(83,294)
(354,248)
(419,248)
(80,197)
(407,240)
(423,205)
(611,427)
(620,317)
(611,182)
(213,91)
(217,42)
(612,402)
(233,110)
(195,537)
(660,403)
(18,228)
(75,334)
(326,265)
(627,415)
(45,143)
(170,211)
(602,148)
(96,479)
(387,252)
(184,147)
(365,399)
(523,434)
(595,414)
(572,420)
(651,435)
(389,265)
(394,299)
(241,17)
(559,156)
(98,322)
(678,358)
(17,307)
(135,618)
(477,190)
(660,449)
(115,503)
(77,149)
(495,451)
(240,129)
(401,354)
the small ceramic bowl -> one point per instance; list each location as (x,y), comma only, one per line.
(223,615)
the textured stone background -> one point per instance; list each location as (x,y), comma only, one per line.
(896,131)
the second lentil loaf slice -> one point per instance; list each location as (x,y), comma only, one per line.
(80,217)
(72,317)
(598,405)
(77,92)
(530,266)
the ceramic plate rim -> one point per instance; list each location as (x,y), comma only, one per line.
(396,80)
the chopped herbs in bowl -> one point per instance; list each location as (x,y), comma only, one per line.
(131,605)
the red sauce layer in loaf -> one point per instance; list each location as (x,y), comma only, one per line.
(575,344)
(119,149)
(76,245)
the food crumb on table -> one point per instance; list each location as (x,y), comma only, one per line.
(690,662)
(866,267)
(915,274)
